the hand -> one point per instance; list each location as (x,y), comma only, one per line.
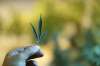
(23,56)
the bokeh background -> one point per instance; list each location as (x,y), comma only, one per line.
(71,25)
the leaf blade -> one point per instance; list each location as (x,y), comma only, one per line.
(34,31)
(39,27)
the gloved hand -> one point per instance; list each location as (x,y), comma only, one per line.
(23,56)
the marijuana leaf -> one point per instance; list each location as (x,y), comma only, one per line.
(39,27)
(39,35)
(34,32)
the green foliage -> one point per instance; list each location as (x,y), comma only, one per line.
(34,31)
(39,35)
(86,41)
(60,58)
(96,21)
(89,53)
(40,27)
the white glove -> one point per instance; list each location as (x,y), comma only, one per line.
(23,56)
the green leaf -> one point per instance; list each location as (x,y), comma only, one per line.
(97,50)
(34,32)
(39,27)
(43,35)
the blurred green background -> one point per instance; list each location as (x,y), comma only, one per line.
(66,21)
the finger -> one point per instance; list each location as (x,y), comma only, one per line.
(15,52)
(29,51)
(36,55)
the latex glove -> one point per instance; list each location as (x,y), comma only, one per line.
(23,56)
